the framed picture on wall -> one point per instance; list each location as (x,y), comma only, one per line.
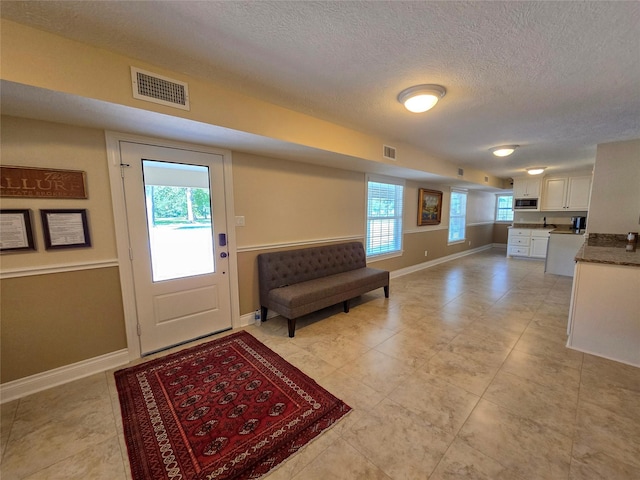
(65,228)
(429,207)
(16,233)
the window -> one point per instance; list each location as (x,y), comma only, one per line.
(457,216)
(504,208)
(384,216)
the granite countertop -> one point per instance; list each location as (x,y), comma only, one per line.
(608,255)
(609,249)
(532,226)
(561,229)
(567,231)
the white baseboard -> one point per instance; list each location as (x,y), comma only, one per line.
(249,318)
(58,376)
(608,357)
(438,261)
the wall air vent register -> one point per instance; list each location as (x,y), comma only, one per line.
(155,88)
(389,152)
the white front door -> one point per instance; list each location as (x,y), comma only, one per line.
(175,205)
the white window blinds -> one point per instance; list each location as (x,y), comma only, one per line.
(384,217)
(504,208)
(457,216)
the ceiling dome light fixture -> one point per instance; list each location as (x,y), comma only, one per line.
(421,98)
(535,171)
(503,150)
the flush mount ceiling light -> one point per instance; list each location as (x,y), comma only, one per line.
(535,171)
(503,150)
(421,98)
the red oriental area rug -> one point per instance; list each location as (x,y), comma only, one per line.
(227,409)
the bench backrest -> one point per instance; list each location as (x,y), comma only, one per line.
(287,267)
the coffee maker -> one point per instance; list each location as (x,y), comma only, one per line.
(578,223)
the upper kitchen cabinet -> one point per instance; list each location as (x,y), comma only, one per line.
(566,193)
(526,187)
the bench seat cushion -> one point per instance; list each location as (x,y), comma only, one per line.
(299,299)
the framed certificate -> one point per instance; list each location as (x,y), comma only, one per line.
(16,233)
(65,228)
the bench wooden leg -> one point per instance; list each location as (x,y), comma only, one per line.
(292,327)
(263,313)
(345,305)
(386,291)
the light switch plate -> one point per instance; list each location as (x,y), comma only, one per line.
(240,221)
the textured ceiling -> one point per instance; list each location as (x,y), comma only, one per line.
(556,78)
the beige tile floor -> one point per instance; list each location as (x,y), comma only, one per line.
(461,374)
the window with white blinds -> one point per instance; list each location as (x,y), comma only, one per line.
(457,216)
(384,216)
(504,208)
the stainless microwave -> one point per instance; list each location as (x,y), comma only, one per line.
(525,204)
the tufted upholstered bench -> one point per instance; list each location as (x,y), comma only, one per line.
(296,282)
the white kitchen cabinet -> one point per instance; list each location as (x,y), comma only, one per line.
(518,242)
(526,187)
(579,193)
(528,242)
(539,242)
(566,193)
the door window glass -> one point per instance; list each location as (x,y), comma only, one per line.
(178,204)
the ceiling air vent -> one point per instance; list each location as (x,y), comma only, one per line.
(460,172)
(158,89)
(389,152)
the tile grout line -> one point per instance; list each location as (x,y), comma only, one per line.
(575,421)
(12,421)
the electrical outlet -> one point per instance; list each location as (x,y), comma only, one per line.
(426,253)
(469,243)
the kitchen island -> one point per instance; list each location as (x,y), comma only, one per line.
(604,317)
(564,244)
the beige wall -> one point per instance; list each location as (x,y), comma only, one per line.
(288,202)
(501,233)
(615,194)
(53,320)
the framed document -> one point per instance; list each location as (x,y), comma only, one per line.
(65,228)
(16,233)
